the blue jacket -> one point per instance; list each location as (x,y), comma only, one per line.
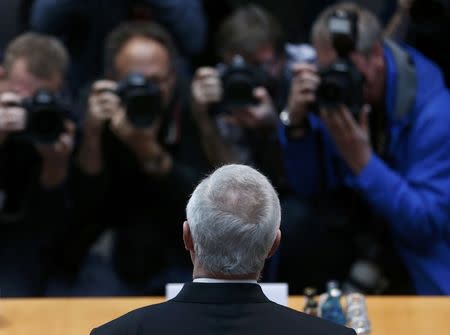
(412,189)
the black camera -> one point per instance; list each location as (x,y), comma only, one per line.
(45,116)
(142,99)
(239,79)
(341,82)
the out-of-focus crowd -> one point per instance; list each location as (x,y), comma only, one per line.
(112,111)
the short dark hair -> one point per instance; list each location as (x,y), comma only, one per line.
(45,55)
(121,35)
(248,28)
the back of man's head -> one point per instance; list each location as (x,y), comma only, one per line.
(234,216)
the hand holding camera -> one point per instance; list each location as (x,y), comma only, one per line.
(44,120)
(134,108)
(206,89)
(56,156)
(12,116)
(103,103)
(303,91)
(261,115)
(136,96)
(352,138)
(41,117)
(144,143)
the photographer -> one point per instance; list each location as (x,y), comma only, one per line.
(35,150)
(394,160)
(139,159)
(236,104)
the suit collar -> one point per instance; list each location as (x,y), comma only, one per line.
(221,293)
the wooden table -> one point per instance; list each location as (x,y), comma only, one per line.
(389,315)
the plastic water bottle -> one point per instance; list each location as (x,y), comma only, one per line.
(331,309)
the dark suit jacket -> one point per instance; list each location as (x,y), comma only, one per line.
(219,309)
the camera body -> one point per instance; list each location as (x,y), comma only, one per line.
(142,99)
(341,82)
(239,80)
(46,114)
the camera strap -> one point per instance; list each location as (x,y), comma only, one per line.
(406,81)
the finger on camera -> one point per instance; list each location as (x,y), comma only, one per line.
(66,141)
(8,98)
(211,82)
(336,121)
(261,94)
(307,97)
(308,78)
(306,87)
(108,96)
(103,85)
(211,97)
(205,72)
(347,119)
(14,118)
(69,127)
(299,68)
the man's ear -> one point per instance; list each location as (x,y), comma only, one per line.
(275,245)
(187,237)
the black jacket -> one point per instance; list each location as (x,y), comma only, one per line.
(146,212)
(219,309)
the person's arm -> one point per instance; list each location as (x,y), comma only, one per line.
(206,90)
(216,148)
(56,158)
(416,200)
(102,104)
(300,133)
(189,165)
(185,19)
(302,157)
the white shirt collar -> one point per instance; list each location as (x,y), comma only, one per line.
(230,281)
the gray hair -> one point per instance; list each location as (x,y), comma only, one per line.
(234,216)
(369,28)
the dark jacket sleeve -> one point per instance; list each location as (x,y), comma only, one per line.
(26,201)
(189,165)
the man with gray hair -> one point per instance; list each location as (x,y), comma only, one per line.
(232,227)
(388,175)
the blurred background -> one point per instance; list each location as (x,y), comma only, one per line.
(112,111)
